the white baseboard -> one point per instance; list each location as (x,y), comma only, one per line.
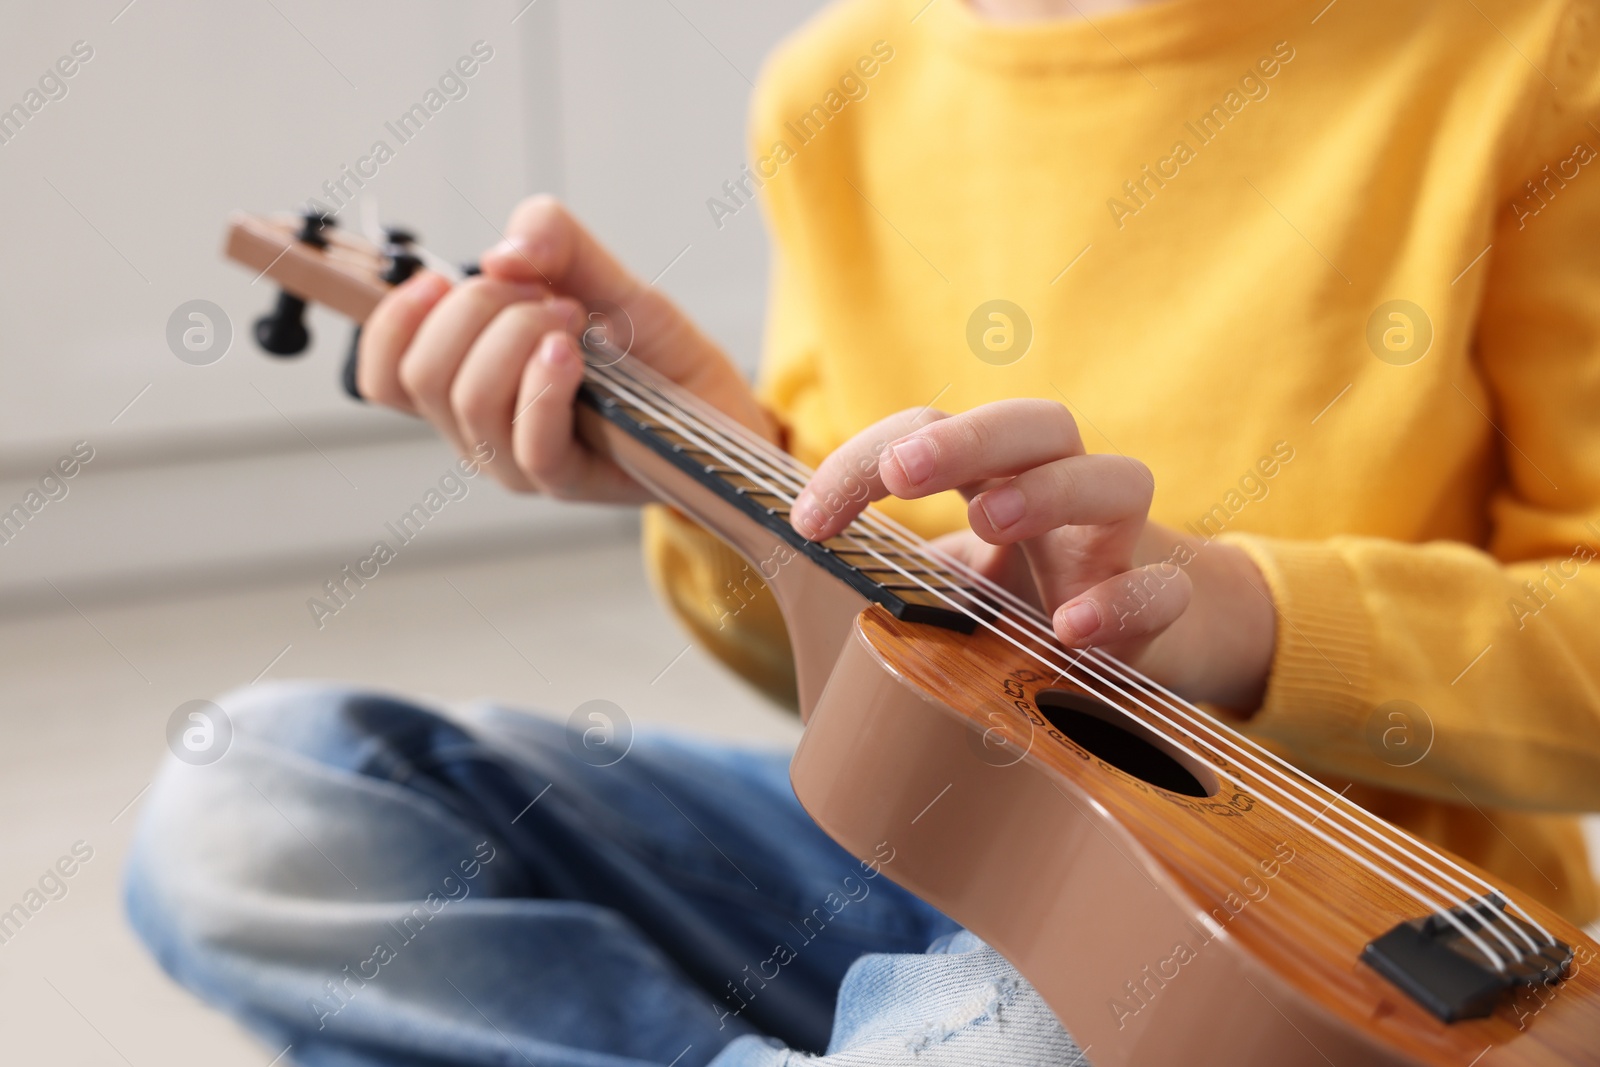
(177,525)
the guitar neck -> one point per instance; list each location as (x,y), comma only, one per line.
(345,273)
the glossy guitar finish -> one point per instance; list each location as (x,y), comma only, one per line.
(1087,879)
(1195,924)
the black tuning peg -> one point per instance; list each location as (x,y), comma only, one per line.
(282,331)
(400,263)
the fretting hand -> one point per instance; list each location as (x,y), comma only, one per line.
(495,359)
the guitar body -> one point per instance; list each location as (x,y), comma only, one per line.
(1148,873)
(1162,928)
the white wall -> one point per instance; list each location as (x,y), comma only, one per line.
(112,202)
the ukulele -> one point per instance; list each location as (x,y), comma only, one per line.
(1175,892)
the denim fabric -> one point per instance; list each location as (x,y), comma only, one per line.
(377,883)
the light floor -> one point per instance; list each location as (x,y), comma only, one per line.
(86,700)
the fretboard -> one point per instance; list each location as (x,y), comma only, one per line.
(882,568)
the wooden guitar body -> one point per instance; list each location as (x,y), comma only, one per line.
(1173,897)
(1162,928)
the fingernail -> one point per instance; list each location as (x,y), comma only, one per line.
(552,350)
(511,246)
(424,286)
(1002,506)
(915,457)
(1080,620)
(805,516)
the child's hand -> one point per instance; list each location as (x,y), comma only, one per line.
(495,359)
(1195,616)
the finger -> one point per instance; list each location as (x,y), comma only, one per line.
(967,551)
(992,441)
(543,440)
(387,333)
(1003,565)
(848,480)
(1078,491)
(483,396)
(430,362)
(545,244)
(1133,606)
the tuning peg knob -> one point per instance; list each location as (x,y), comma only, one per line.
(347,376)
(312,223)
(401,264)
(282,331)
(402,261)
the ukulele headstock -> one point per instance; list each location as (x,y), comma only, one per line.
(312,260)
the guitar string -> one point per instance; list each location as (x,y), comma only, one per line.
(1277,766)
(919,547)
(1344,809)
(1338,804)
(1434,906)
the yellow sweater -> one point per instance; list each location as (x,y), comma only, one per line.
(1334,276)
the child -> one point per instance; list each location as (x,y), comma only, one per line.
(1273,338)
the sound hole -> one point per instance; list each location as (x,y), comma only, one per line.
(1125,743)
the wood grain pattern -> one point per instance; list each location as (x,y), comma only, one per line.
(345,276)
(1303,936)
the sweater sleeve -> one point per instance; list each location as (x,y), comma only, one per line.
(1485,659)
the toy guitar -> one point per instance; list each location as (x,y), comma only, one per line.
(1176,893)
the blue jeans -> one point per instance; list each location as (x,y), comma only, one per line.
(375,883)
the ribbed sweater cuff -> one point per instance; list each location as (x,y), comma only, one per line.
(1319,694)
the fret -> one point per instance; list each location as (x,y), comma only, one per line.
(751,490)
(780,508)
(914,587)
(870,562)
(933,576)
(909,565)
(863,559)
(869,539)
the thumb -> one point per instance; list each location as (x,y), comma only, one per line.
(545,243)
(1133,606)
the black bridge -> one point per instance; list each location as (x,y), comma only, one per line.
(1441,969)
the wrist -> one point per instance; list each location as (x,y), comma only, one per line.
(1241,622)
